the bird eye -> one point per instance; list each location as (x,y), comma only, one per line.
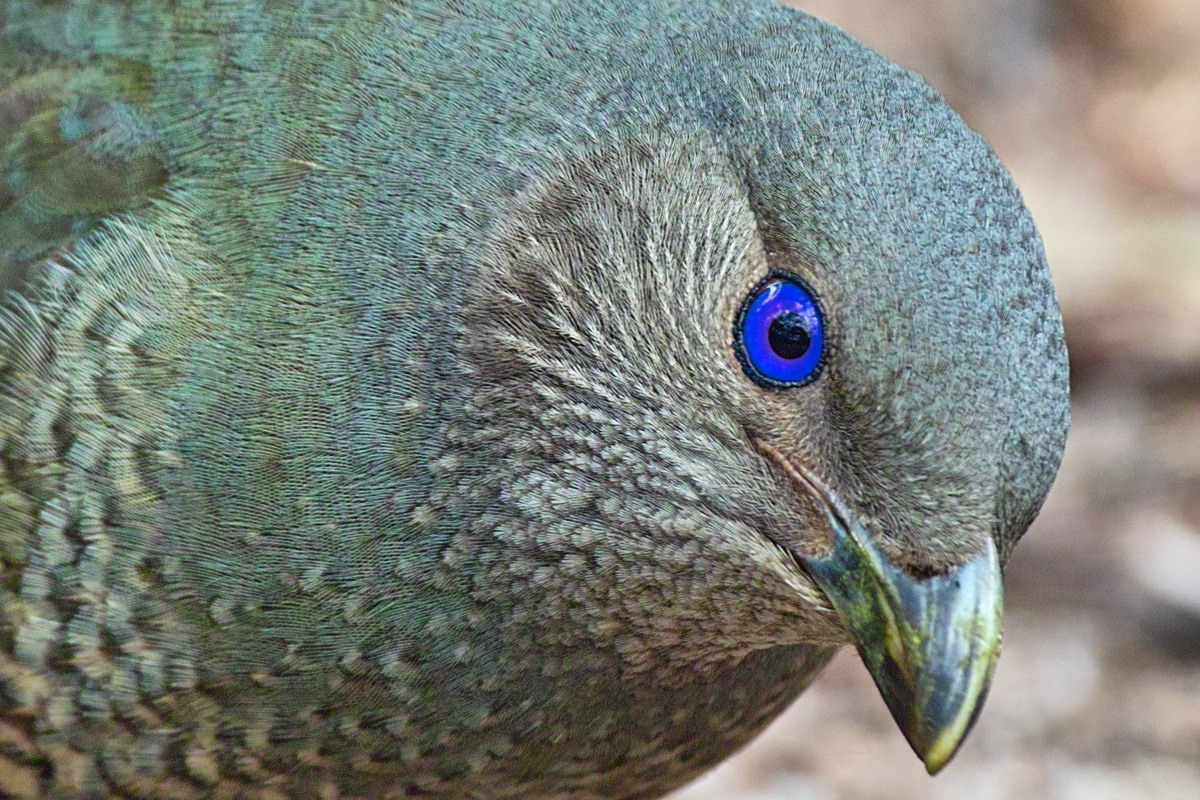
(779,336)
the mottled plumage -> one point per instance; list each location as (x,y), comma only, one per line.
(391,441)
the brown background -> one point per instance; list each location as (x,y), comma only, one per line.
(1095,106)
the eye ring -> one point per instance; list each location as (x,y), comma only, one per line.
(779,335)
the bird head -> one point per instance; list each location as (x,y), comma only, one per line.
(795,374)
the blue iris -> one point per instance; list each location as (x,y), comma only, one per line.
(780,337)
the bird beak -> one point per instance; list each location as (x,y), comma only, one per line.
(930,643)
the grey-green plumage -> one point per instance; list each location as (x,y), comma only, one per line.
(392,442)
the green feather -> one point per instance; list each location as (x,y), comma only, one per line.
(370,426)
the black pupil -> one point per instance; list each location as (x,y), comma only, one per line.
(788,336)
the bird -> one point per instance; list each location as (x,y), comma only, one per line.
(493,400)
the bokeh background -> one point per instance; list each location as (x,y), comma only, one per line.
(1095,106)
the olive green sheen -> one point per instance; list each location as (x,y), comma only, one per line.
(371,424)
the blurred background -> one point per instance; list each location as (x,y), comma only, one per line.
(1095,106)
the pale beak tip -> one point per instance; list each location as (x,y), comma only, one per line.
(939,755)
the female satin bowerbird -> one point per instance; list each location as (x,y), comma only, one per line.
(487,399)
